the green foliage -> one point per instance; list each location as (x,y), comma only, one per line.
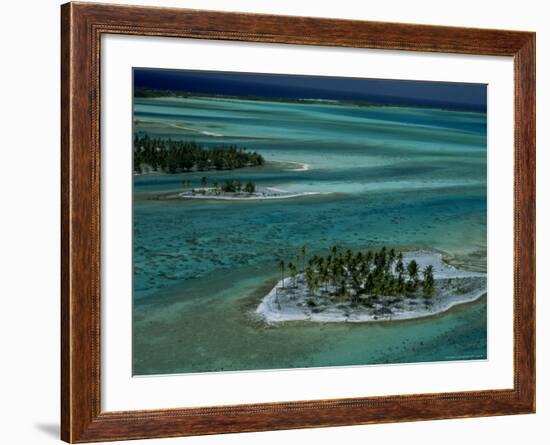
(282,266)
(231,186)
(293,271)
(429,281)
(249,187)
(172,156)
(303,252)
(412,270)
(372,274)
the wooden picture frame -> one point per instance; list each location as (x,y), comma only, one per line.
(82,26)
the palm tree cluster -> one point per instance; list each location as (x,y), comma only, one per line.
(227,186)
(236,186)
(352,275)
(171,156)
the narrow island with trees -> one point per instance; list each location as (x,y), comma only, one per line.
(234,189)
(366,286)
(175,156)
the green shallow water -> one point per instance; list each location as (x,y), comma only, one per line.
(403,177)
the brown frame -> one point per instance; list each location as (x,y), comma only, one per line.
(82,25)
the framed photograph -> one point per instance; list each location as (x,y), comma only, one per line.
(275,222)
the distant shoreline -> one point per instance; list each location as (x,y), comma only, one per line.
(152,93)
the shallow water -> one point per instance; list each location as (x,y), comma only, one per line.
(402,177)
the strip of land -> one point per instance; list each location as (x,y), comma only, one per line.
(260,193)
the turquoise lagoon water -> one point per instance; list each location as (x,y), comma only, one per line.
(403,177)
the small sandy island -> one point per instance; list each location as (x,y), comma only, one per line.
(296,302)
(260,193)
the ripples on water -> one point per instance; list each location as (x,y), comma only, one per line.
(402,177)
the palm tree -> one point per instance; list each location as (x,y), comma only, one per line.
(315,284)
(352,267)
(356,284)
(292,269)
(343,291)
(400,284)
(412,269)
(368,260)
(380,261)
(391,258)
(324,274)
(429,281)
(335,270)
(303,253)
(311,280)
(399,267)
(348,255)
(313,261)
(249,187)
(383,252)
(363,272)
(369,284)
(282,266)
